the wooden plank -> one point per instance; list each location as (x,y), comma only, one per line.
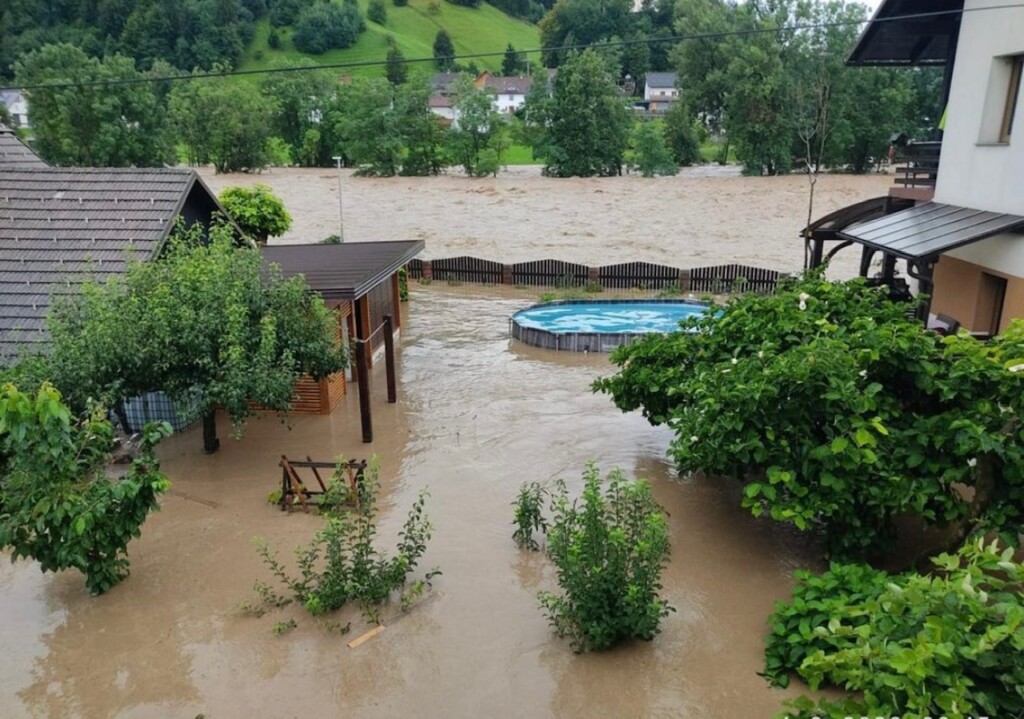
(363,638)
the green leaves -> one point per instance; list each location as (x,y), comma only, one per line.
(951,643)
(609,547)
(850,410)
(59,507)
(258,211)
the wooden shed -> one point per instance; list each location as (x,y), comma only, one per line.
(359,281)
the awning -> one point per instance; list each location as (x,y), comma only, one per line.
(344,271)
(911,41)
(930,229)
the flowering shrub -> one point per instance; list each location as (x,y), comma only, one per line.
(837,410)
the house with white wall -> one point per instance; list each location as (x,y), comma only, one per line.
(660,91)
(958,223)
(17,105)
(509,92)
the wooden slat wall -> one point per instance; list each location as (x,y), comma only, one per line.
(627,275)
(644,275)
(722,279)
(550,273)
(382,302)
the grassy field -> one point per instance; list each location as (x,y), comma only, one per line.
(480,30)
(709,152)
(519,155)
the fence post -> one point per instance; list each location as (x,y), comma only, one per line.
(684,281)
(427,270)
(506,275)
(593,275)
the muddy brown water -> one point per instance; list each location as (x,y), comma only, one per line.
(477,415)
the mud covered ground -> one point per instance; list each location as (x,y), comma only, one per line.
(476,417)
(705,216)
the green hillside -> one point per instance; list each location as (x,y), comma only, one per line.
(473,30)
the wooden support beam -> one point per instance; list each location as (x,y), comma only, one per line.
(363,378)
(396,299)
(389,359)
(363,328)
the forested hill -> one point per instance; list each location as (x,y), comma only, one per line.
(191,34)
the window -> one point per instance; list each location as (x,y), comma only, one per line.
(1012,96)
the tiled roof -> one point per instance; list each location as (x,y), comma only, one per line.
(509,85)
(61,227)
(15,155)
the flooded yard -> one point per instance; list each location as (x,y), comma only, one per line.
(476,416)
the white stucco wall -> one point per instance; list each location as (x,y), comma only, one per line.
(974,171)
(1003,253)
(508,102)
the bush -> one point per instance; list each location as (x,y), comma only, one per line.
(529,515)
(279,152)
(258,211)
(274,40)
(647,151)
(377,11)
(837,411)
(400,3)
(609,549)
(949,644)
(59,507)
(342,563)
(326,26)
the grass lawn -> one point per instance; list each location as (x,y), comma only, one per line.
(709,152)
(519,155)
(480,30)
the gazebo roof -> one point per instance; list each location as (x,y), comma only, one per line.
(910,41)
(344,271)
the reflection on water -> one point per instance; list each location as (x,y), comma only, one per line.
(476,417)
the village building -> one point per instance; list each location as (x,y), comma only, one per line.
(660,91)
(956,214)
(17,106)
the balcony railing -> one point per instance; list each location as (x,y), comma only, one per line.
(918,164)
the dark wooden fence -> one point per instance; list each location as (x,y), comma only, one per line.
(719,279)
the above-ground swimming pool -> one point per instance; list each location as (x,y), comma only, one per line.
(598,325)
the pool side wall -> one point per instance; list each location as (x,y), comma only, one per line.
(584,341)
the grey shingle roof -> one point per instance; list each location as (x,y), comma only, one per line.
(15,155)
(62,227)
(661,79)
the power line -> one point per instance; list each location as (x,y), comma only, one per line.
(479,55)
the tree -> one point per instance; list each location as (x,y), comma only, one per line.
(588,125)
(204,322)
(648,152)
(377,12)
(366,123)
(478,137)
(466,3)
(93,125)
(60,507)
(222,121)
(423,134)
(682,134)
(838,412)
(582,22)
(258,211)
(299,102)
(326,26)
(512,63)
(395,69)
(444,51)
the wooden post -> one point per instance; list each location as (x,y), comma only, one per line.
(593,275)
(363,374)
(389,359)
(396,299)
(684,281)
(428,270)
(363,328)
(506,275)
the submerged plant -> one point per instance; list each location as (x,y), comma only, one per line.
(343,563)
(529,515)
(609,548)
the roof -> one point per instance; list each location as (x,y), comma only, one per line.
(62,227)
(509,85)
(661,79)
(928,230)
(344,271)
(439,101)
(443,82)
(913,41)
(14,154)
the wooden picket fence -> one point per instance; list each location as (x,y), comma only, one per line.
(717,279)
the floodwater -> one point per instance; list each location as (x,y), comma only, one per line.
(706,215)
(476,416)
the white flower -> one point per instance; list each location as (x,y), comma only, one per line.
(972,462)
(863,374)
(1016,368)
(803,305)
(694,438)
(735,361)
(760,354)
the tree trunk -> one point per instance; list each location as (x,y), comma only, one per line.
(210,442)
(122,417)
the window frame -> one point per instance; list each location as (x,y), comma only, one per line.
(1012,98)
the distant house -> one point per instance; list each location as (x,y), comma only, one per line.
(660,91)
(17,105)
(509,92)
(442,106)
